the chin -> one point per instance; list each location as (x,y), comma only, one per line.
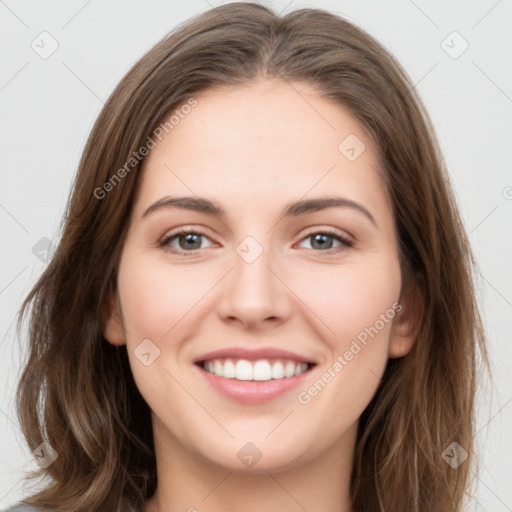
(259,455)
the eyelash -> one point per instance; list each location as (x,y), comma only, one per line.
(345,242)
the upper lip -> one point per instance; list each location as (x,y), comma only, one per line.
(253,354)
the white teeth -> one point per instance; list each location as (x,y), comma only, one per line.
(243,370)
(262,369)
(277,370)
(229,370)
(301,368)
(289,369)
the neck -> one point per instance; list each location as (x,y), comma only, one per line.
(189,482)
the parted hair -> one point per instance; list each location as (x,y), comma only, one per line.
(76,390)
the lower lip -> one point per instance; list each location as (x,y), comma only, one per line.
(253,391)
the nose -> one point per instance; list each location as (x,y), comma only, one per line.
(254,294)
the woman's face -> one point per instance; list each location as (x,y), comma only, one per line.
(277,279)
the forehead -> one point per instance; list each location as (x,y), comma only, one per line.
(267,140)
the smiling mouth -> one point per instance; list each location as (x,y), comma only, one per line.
(258,370)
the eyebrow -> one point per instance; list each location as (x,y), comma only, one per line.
(291,209)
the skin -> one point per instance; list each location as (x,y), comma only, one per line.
(252,149)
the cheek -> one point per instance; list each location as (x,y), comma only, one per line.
(360,311)
(350,299)
(156,297)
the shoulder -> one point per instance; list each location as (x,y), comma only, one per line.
(21,507)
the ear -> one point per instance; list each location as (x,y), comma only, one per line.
(114,326)
(407,321)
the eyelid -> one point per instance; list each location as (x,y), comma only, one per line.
(164,242)
(344,235)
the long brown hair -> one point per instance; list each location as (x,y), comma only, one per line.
(77,392)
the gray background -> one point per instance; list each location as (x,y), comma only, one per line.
(49,106)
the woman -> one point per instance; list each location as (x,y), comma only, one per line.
(315,347)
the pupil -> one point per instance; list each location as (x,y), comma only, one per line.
(190,238)
(322,239)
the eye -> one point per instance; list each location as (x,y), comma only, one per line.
(188,241)
(324,240)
